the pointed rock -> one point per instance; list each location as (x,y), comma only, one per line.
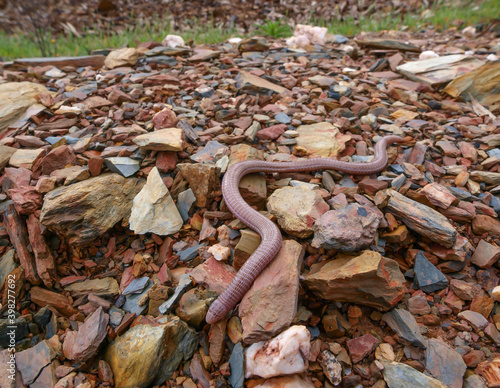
(427,276)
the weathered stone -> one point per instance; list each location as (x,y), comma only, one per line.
(253,189)
(490,178)
(482,224)
(44,260)
(166,118)
(56,159)
(331,367)
(241,152)
(83,344)
(213,274)
(368,279)
(294,381)
(61,303)
(351,228)
(167,139)
(427,276)
(272,132)
(247,245)
(476,320)
(216,337)
(297,209)
(271,303)
(124,166)
(105,287)
(26,158)
(444,363)
(16,228)
(26,199)
(193,306)
(288,353)
(485,255)
(203,180)
(320,139)
(35,364)
(7,265)
(122,57)
(153,209)
(398,375)
(406,327)
(86,210)
(163,342)
(422,219)
(5,155)
(252,84)
(438,195)
(361,347)
(237,365)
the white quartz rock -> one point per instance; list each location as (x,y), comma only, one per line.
(173,41)
(220,252)
(154,210)
(428,55)
(294,381)
(285,354)
(305,35)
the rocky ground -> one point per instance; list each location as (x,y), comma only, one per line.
(115,238)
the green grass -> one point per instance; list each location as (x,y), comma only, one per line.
(443,15)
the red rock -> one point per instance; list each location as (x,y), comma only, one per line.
(26,199)
(95,165)
(448,148)
(16,228)
(45,184)
(272,132)
(166,118)
(490,370)
(482,224)
(371,186)
(216,338)
(485,255)
(56,159)
(418,305)
(117,96)
(270,305)
(16,177)
(42,298)
(468,151)
(464,290)
(45,262)
(361,347)
(438,195)
(213,274)
(166,161)
(203,180)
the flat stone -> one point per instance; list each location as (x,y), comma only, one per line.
(482,224)
(56,159)
(398,375)
(167,139)
(422,219)
(193,306)
(361,347)
(297,209)
(418,304)
(288,353)
(106,287)
(272,132)
(252,84)
(237,365)
(345,279)
(490,178)
(427,276)
(350,228)
(166,118)
(485,255)
(320,139)
(405,326)
(146,340)
(124,166)
(85,210)
(26,199)
(154,210)
(438,195)
(26,157)
(271,303)
(5,155)
(44,259)
(253,189)
(83,344)
(185,283)
(213,275)
(136,286)
(444,363)
(61,303)
(7,265)
(32,361)
(476,320)
(184,202)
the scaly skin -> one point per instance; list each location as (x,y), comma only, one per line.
(268,231)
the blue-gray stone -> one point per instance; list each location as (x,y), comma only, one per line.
(184,202)
(115,316)
(346,181)
(190,253)
(132,301)
(314,330)
(405,325)
(185,283)
(236,362)
(495,204)
(340,38)
(362,159)
(461,194)
(495,152)
(71,140)
(136,285)
(283,118)
(52,139)
(427,277)
(397,168)
(124,166)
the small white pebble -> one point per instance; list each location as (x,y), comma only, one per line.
(220,252)
(496,293)
(428,55)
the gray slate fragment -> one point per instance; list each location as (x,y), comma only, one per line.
(444,363)
(398,375)
(190,253)
(124,166)
(406,327)
(7,265)
(185,283)
(427,276)
(136,285)
(184,202)
(236,362)
(132,301)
